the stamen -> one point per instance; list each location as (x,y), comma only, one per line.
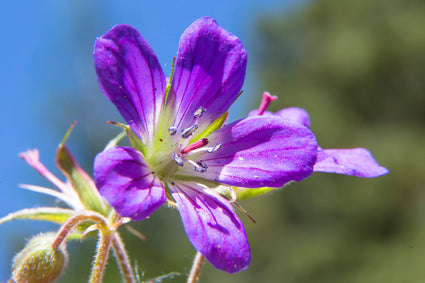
(215,148)
(203,165)
(172,130)
(189,131)
(198,166)
(267,99)
(209,149)
(195,145)
(199,169)
(177,158)
(198,113)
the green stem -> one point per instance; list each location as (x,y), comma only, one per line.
(196,269)
(102,252)
(122,258)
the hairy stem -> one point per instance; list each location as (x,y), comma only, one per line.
(101,258)
(195,271)
(122,258)
(74,221)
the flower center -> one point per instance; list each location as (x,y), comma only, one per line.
(177,149)
(185,149)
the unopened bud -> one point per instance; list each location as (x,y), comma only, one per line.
(38,262)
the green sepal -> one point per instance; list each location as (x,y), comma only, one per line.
(168,195)
(52,214)
(248,193)
(170,80)
(117,139)
(39,261)
(80,181)
(135,141)
(217,124)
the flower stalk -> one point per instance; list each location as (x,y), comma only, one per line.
(122,259)
(75,221)
(196,269)
(101,258)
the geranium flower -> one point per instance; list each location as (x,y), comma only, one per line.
(357,162)
(182,151)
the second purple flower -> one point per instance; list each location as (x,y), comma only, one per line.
(184,151)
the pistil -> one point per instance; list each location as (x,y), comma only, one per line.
(267,99)
(198,144)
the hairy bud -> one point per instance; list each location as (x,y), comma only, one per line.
(38,262)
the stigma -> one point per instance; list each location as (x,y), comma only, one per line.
(195,145)
(265,102)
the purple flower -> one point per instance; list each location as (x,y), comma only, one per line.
(184,152)
(352,161)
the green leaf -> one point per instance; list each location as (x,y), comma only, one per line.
(52,214)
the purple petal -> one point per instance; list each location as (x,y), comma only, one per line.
(295,114)
(212,226)
(131,77)
(127,183)
(259,151)
(291,113)
(209,72)
(354,161)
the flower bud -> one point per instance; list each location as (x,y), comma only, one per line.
(38,262)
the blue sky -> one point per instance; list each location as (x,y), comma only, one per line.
(40,57)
